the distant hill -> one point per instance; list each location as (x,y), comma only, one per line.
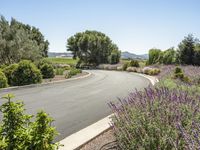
(55,54)
(128,55)
(124,55)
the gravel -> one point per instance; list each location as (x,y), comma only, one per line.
(99,143)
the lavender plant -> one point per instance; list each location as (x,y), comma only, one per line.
(192,138)
(148,119)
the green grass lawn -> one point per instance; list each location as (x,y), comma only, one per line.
(68,61)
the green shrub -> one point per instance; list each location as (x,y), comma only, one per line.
(134,63)
(19,132)
(125,66)
(41,62)
(73,72)
(114,57)
(179,74)
(59,71)
(186,79)
(178,70)
(8,71)
(3,80)
(26,73)
(3,66)
(47,71)
(151,71)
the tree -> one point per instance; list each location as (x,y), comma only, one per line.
(169,56)
(155,56)
(114,57)
(19,41)
(196,59)
(186,50)
(92,47)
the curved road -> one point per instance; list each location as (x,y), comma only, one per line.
(79,103)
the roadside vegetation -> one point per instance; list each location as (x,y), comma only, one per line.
(18,131)
(93,48)
(162,117)
(165,116)
(24,56)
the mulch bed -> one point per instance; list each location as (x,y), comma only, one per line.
(62,77)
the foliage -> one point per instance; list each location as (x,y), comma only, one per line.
(186,50)
(26,73)
(148,119)
(188,53)
(114,57)
(92,47)
(134,63)
(8,71)
(42,133)
(47,71)
(59,71)
(18,132)
(154,56)
(169,56)
(179,74)
(3,80)
(151,71)
(196,58)
(19,41)
(125,66)
(73,72)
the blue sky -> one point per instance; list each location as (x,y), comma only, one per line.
(134,25)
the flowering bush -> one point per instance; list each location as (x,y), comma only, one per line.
(148,119)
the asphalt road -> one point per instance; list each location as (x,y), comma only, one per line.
(76,104)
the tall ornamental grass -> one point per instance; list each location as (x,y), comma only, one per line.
(156,119)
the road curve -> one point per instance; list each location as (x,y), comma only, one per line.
(79,103)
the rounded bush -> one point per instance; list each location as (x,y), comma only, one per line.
(8,71)
(125,66)
(47,71)
(26,73)
(134,63)
(178,70)
(73,72)
(3,80)
(151,71)
(41,62)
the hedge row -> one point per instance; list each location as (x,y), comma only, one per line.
(24,73)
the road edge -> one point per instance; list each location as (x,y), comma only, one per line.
(85,135)
(43,84)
